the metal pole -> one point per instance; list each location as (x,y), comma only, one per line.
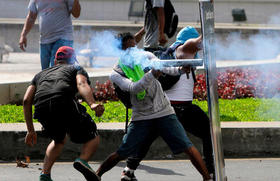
(207,27)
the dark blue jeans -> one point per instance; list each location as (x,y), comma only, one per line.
(48,51)
(141,134)
(195,121)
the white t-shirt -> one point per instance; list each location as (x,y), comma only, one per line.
(182,90)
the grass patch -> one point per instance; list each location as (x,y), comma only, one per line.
(245,110)
(11,114)
(114,112)
(242,110)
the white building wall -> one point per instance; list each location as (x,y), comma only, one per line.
(258,11)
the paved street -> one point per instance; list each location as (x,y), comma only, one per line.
(161,170)
(18,67)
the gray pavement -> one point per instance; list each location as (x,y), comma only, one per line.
(160,170)
(21,67)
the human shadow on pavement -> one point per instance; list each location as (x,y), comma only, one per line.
(153,170)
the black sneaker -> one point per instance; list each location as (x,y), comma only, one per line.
(128,175)
(83,167)
(45,177)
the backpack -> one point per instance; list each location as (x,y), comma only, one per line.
(171,18)
(167,81)
(124,96)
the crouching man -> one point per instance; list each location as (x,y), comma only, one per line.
(53,92)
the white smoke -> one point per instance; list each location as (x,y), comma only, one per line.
(106,44)
(259,46)
(274,20)
(98,49)
(264,45)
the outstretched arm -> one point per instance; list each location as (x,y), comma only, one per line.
(130,86)
(86,92)
(30,20)
(31,136)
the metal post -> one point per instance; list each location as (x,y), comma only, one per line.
(207,27)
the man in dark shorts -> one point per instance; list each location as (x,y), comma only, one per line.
(53,92)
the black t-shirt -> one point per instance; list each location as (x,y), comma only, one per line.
(57,81)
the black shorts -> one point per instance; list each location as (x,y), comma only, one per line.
(60,116)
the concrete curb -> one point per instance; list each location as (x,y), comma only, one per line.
(240,140)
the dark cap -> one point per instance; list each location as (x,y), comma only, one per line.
(65,53)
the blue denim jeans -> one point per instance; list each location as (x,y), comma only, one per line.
(141,134)
(48,51)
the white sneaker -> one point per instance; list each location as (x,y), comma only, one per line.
(128,175)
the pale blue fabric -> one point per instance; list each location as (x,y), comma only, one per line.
(185,34)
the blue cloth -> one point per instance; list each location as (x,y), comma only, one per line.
(185,34)
(140,133)
(48,51)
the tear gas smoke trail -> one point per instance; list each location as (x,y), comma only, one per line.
(135,56)
(106,44)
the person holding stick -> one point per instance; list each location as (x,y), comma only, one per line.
(193,119)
